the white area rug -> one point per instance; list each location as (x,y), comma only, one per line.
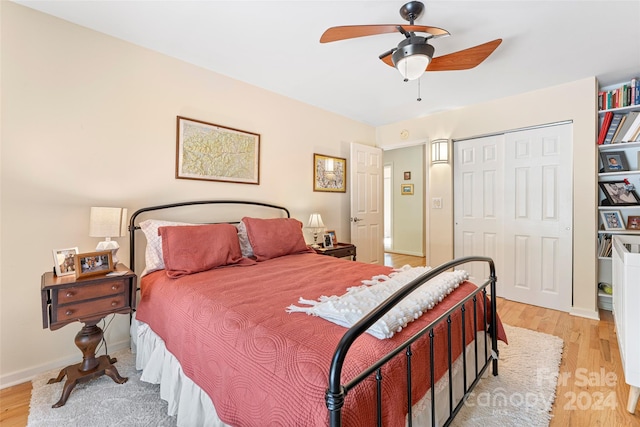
(521,395)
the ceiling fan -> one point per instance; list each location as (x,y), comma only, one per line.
(414,55)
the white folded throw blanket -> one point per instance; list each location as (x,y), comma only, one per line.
(347,309)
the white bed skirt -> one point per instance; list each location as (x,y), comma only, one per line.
(193,407)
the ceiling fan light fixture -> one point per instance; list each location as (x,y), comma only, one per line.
(412,57)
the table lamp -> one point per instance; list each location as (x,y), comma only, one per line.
(108,223)
(316,224)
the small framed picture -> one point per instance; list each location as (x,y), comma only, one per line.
(406,189)
(64,261)
(618,194)
(334,239)
(407,176)
(612,220)
(93,264)
(614,161)
(633,222)
(327,240)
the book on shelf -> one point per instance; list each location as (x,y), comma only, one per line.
(625,95)
(604,127)
(634,124)
(615,139)
(624,127)
(604,245)
(615,122)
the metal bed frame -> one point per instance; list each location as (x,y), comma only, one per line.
(336,391)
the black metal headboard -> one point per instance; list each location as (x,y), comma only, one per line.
(133,227)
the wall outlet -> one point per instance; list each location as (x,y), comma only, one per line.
(436,202)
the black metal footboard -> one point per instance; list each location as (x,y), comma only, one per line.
(336,392)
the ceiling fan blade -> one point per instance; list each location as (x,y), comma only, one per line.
(352,31)
(464,59)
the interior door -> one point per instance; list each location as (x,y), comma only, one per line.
(513,202)
(479,205)
(367,226)
(539,217)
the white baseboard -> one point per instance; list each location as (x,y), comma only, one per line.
(28,374)
(581,312)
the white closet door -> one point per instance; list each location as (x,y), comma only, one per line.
(538,219)
(513,203)
(478,203)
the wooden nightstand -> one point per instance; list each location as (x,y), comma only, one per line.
(66,299)
(340,250)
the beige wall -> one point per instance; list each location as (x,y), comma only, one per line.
(89,120)
(407,210)
(574,101)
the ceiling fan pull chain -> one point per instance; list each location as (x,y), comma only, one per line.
(419,99)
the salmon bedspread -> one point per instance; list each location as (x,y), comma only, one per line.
(263,366)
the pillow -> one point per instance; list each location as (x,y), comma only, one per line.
(271,238)
(188,250)
(153,254)
(245,246)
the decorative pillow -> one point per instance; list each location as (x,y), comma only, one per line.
(271,238)
(245,246)
(188,250)
(153,254)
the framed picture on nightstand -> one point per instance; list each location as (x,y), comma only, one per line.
(334,239)
(64,261)
(327,241)
(93,264)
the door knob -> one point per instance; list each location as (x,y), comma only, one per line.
(355,219)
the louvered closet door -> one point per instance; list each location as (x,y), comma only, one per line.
(513,202)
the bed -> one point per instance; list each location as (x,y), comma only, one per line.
(221,326)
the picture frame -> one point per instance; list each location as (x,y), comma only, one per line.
(329,173)
(406,189)
(93,264)
(407,176)
(334,239)
(327,241)
(64,261)
(211,152)
(617,194)
(612,220)
(633,222)
(614,161)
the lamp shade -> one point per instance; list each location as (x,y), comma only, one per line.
(412,57)
(440,151)
(108,222)
(315,221)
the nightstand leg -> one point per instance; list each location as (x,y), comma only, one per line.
(91,367)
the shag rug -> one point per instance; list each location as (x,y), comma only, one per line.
(522,393)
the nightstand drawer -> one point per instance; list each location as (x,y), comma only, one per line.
(81,293)
(90,308)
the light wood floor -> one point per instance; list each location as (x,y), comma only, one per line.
(591,389)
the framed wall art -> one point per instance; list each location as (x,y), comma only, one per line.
(329,173)
(93,264)
(407,176)
(612,220)
(618,194)
(406,189)
(210,152)
(64,261)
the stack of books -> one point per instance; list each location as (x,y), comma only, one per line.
(619,127)
(604,245)
(626,95)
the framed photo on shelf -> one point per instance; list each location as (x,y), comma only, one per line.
(334,239)
(612,220)
(93,264)
(406,189)
(210,152)
(329,173)
(614,161)
(617,194)
(633,222)
(327,241)
(64,261)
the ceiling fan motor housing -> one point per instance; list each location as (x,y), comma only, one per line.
(414,45)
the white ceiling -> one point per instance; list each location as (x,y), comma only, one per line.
(275,45)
